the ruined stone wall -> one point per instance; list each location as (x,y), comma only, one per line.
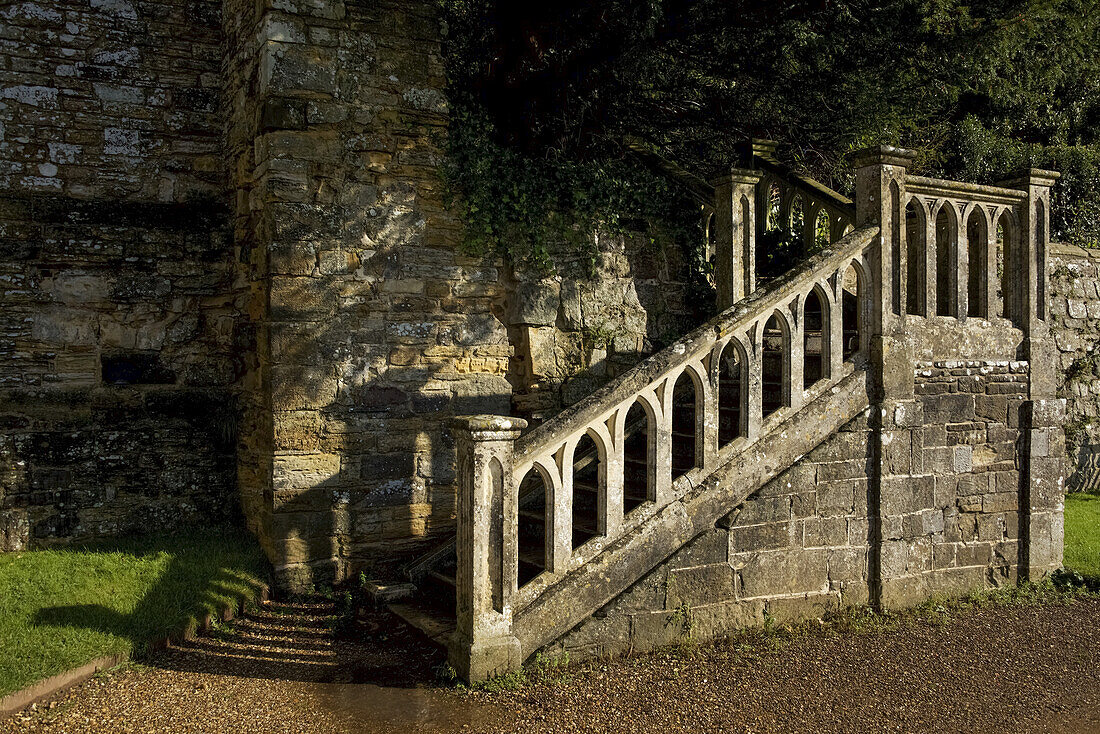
(1075,321)
(807,542)
(594,317)
(371,328)
(118,347)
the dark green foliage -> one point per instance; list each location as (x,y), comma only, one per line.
(544,93)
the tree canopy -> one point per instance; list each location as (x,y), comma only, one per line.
(544,94)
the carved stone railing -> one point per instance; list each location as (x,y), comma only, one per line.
(760,196)
(727,390)
(760,342)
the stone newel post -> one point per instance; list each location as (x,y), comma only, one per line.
(735,235)
(1042,470)
(486,547)
(896,414)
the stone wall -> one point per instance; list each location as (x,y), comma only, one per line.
(371,328)
(119,348)
(593,318)
(808,541)
(1075,320)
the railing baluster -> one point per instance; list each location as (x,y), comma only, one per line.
(611,499)
(836,324)
(961,256)
(559,528)
(754,399)
(796,362)
(660,442)
(706,419)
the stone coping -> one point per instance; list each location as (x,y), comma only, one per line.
(1066,249)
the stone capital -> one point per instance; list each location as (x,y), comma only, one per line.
(489,427)
(1031,177)
(883,155)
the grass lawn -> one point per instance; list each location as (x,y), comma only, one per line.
(1083,534)
(62,608)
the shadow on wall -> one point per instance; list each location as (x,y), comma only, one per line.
(363,457)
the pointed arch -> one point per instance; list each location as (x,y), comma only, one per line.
(732,391)
(916,257)
(1007,254)
(639,455)
(977,263)
(534,507)
(823,228)
(947,273)
(853,294)
(815,337)
(896,265)
(776,363)
(1041,235)
(687,399)
(589,467)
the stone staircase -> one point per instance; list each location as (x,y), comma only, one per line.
(556,522)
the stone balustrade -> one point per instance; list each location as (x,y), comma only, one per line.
(537,508)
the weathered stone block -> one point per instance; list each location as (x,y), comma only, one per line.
(700,585)
(782,572)
(768,536)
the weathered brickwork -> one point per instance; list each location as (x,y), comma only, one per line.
(796,548)
(1075,322)
(959,526)
(118,355)
(114,99)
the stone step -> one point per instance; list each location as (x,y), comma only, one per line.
(429,621)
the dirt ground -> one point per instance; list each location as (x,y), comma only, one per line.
(1006,668)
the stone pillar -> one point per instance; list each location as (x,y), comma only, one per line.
(796,355)
(754,383)
(1042,466)
(735,236)
(1042,487)
(880,197)
(895,414)
(486,547)
(961,264)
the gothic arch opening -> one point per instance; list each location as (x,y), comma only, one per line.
(684,413)
(946,273)
(638,479)
(851,309)
(731,376)
(775,366)
(588,482)
(977,264)
(533,503)
(815,339)
(915,259)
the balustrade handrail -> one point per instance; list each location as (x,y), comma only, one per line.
(962,190)
(645,375)
(815,190)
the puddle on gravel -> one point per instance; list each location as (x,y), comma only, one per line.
(372,708)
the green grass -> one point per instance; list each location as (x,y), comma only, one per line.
(62,608)
(1082,553)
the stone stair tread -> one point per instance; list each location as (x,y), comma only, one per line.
(428,621)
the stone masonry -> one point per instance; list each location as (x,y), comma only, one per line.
(119,343)
(233,293)
(1075,314)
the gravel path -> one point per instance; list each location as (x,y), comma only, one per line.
(1012,668)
